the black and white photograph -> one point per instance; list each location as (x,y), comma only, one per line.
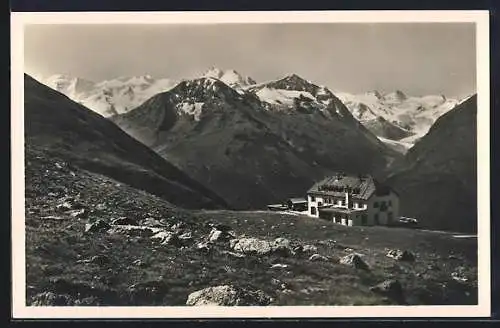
(217,162)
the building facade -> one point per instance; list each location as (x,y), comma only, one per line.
(353,201)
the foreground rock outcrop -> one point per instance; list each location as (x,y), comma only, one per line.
(227,295)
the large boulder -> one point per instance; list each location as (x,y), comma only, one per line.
(401,255)
(51,299)
(134,230)
(355,261)
(318,258)
(166,238)
(97,226)
(227,295)
(390,288)
(279,246)
(124,221)
(217,235)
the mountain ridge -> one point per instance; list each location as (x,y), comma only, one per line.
(56,125)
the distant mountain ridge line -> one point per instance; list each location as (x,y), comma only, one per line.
(393,116)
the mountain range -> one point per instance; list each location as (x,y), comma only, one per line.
(244,140)
(56,126)
(248,144)
(396,118)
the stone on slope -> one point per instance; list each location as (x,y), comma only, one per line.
(97,226)
(391,288)
(401,255)
(227,295)
(355,261)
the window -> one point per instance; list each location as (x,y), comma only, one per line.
(313,199)
(320,204)
(375,218)
(375,205)
(313,210)
(390,203)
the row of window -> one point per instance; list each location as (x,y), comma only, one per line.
(336,201)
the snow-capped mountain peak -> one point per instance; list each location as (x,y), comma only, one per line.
(230,77)
(73,87)
(110,97)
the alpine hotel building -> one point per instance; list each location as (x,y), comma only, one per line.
(353,200)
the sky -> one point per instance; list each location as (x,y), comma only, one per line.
(417,58)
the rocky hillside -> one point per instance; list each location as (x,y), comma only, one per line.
(437,179)
(248,149)
(57,126)
(92,240)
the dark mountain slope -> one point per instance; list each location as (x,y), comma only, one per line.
(437,177)
(385,129)
(58,126)
(245,151)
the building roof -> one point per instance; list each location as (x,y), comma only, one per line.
(359,186)
(297,200)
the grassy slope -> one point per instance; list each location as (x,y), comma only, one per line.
(169,274)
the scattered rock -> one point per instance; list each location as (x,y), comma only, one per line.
(203,247)
(64,206)
(228,296)
(186,236)
(97,226)
(101,207)
(88,301)
(390,288)
(167,238)
(152,222)
(459,275)
(355,261)
(251,246)
(139,263)
(219,235)
(81,213)
(96,259)
(279,266)
(124,221)
(134,230)
(221,227)
(53,218)
(99,259)
(401,255)
(279,246)
(179,226)
(318,258)
(51,299)
(305,249)
(238,255)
